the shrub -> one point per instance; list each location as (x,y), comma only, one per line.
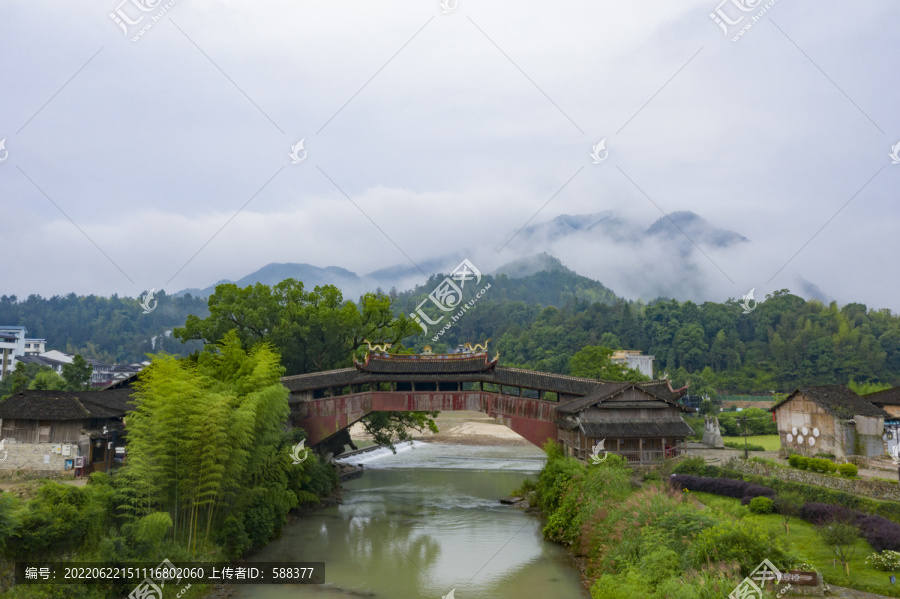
(695,465)
(886,561)
(824,513)
(848,470)
(744,541)
(652,476)
(739,445)
(802,462)
(720,486)
(880,532)
(761,505)
(794,460)
(821,465)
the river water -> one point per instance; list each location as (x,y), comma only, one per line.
(423,522)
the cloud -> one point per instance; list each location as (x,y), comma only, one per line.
(450,132)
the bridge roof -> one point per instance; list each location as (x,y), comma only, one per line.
(499,375)
(426,364)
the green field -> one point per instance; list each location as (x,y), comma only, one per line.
(808,545)
(770,442)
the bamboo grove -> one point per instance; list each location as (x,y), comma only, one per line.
(208,451)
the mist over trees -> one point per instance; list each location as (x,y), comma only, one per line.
(538,321)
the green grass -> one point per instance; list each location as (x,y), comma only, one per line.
(770,442)
(807,544)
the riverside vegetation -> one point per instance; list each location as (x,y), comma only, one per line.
(208,477)
(656,540)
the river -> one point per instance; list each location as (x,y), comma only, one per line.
(423,522)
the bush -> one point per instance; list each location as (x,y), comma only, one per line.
(888,509)
(761,505)
(821,465)
(824,513)
(802,462)
(848,470)
(744,541)
(652,476)
(720,486)
(695,465)
(794,460)
(880,532)
(739,445)
(886,561)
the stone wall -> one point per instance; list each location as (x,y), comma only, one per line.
(30,456)
(875,489)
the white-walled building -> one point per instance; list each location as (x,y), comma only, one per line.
(12,345)
(633,358)
(35,347)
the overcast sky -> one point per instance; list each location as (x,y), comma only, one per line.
(164,162)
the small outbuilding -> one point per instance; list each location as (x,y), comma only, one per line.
(51,430)
(830,419)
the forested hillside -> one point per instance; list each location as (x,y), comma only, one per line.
(112,329)
(784,342)
(540,321)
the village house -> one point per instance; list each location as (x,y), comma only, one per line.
(830,419)
(79,431)
(889,401)
(639,421)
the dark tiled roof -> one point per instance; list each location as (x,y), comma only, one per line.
(321,380)
(66,405)
(419,364)
(663,390)
(533,379)
(837,400)
(31,359)
(606,391)
(643,405)
(601,391)
(514,377)
(888,397)
(636,427)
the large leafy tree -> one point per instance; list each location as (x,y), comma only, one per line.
(312,330)
(594,361)
(77,373)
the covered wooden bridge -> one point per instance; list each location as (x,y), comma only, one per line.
(640,421)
